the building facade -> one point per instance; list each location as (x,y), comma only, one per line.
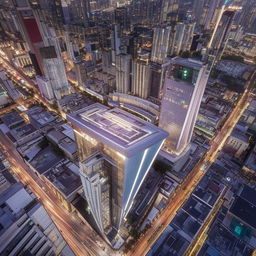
(141,74)
(123,73)
(184,86)
(116,150)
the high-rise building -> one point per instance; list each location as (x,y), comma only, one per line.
(161,43)
(29,28)
(220,35)
(115,41)
(121,17)
(55,74)
(76,11)
(246,17)
(184,87)
(141,75)
(181,39)
(206,13)
(157,78)
(116,150)
(123,73)
(169,10)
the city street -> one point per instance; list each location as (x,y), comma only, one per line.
(144,244)
(81,237)
(78,238)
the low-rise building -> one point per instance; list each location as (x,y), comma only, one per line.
(64,142)
(40,118)
(237,143)
(64,181)
(23,134)
(44,160)
(250,163)
(12,119)
(26,228)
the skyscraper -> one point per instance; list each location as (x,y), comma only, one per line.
(169,10)
(116,150)
(157,78)
(141,74)
(76,11)
(220,35)
(55,74)
(123,73)
(182,37)
(115,41)
(161,43)
(184,87)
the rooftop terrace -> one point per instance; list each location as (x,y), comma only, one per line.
(117,128)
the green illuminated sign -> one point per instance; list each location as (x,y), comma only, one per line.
(238,230)
(185,73)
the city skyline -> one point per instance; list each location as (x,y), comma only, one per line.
(127,128)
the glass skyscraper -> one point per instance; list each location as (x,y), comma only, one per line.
(184,87)
(116,150)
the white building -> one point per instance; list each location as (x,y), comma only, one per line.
(123,73)
(183,91)
(141,74)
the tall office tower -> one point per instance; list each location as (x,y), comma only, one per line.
(184,87)
(246,17)
(198,12)
(212,10)
(52,9)
(81,70)
(182,38)
(141,75)
(106,60)
(161,43)
(55,75)
(169,10)
(220,34)
(121,17)
(206,13)
(147,12)
(157,78)
(116,151)
(29,29)
(76,12)
(115,41)
(123,73)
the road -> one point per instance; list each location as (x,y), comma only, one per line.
(81,237)
(78,234)
(146,241)
(75,233)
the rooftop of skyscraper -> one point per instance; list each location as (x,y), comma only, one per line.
(188,62)
(117,128)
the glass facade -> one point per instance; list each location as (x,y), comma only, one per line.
(183,90)
(111,177)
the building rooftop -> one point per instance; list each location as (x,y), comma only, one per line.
(117,128)
(64,179)
(12,118)
(239,135)
(45,159)
(191,63)
(40,117)
(22,131)
(245,210)
(250,162)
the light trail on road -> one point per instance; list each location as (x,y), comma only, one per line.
(146,241)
